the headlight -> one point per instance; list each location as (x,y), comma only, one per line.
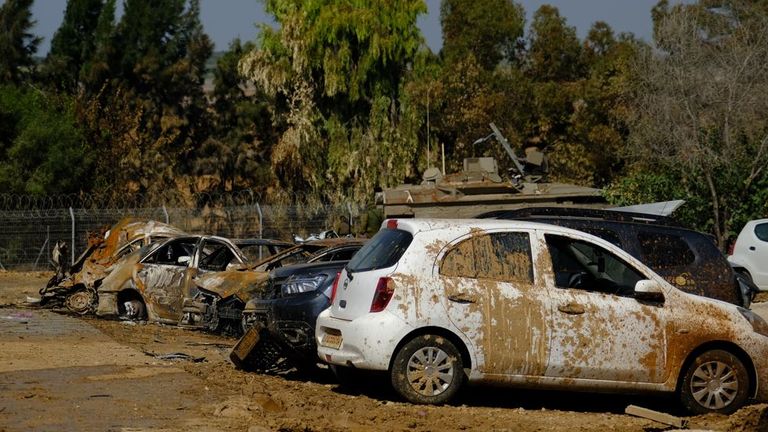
(302,284)
(758,323)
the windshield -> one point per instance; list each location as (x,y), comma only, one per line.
(383,251)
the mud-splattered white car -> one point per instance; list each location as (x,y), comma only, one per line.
(439,302)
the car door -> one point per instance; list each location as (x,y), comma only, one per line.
(492,297)
(599,330)
(164,275)
(757,254)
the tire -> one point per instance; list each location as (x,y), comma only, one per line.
(427,370)
(715,382)
(744,273)
(132,309)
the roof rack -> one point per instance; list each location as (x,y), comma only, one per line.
(580,213)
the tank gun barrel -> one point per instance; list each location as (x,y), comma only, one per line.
(501,139)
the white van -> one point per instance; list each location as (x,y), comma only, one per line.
(439,302)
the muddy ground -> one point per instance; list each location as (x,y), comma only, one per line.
(59,372)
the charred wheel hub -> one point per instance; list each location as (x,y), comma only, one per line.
(430,371)
(714,385)
(81,301)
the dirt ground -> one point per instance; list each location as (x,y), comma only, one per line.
(59,372)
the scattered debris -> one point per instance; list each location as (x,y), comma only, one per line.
(657,416)
(175,356)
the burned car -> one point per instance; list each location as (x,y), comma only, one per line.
(687,259)
(153,282)
(281,323)
(75,287)
(225,294)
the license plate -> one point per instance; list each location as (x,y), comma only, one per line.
(331,341)
(246,343)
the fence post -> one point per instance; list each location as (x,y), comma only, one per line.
(261,226)
(72,215)
(349,209)
(165,212)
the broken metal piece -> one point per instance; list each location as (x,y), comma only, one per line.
(657,416)
(175,356)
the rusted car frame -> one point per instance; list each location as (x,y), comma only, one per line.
(152,283)
(218,292)
(75,287)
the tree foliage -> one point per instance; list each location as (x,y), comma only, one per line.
(333,63)
(73,44)
(17,44)
(490,30)
(700,107)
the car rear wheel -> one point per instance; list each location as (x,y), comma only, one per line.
(131,307)
(715,382)
(427,370)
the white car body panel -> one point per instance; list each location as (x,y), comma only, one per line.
(517,333)
(751,253)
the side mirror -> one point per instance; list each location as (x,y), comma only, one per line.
(184,260)
(648,290)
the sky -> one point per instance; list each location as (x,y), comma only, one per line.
(225,20)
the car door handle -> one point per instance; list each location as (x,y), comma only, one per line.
(751,248)
(463,298)
(571,309)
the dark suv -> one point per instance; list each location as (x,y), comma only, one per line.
(281,322)
(687,259)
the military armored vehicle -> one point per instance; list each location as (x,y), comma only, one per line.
(479,188)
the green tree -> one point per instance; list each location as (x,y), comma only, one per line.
(154,59)
(554,52)
(491,30)
(44,151)
(236,155)
(73,44)
(332,63)
(17,44)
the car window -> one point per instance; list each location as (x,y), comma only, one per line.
(664,250)
(129,248)
(255,252)
(499,256)
(460,260)
(170,253)
(214,256)
(582,265)
(761,231)
(382,251)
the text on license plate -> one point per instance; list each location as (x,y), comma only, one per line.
(331,341)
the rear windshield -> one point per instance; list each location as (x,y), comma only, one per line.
(383,251)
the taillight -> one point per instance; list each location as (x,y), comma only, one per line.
(335,286)
(383,294)
(730,247)
(392,224)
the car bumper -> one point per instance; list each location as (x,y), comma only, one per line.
(368,342)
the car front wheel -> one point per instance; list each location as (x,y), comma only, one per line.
(716,382)
(427,370)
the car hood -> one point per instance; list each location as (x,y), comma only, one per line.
(240,283)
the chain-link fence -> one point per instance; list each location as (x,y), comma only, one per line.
(30,227)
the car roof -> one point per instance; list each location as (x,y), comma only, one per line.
(261,242)
(582,214)
(415,225)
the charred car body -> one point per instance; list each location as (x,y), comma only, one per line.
(281,323)
(687,259)
(75,287)
(224,294)
(153,282)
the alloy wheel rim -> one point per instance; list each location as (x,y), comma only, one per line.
(430,371)
(714,385)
